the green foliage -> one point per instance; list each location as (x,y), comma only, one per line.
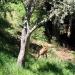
(15,7)
(12,1)
(39,34)
(37,16)
(42,66)
(11,16)
(4,2)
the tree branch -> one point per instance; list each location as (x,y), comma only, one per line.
(29,6)
(38,25)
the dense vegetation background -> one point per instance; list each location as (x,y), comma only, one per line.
(11,24)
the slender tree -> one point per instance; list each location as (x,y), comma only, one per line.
(31,6)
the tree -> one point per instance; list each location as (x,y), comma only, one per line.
(57,8)
(30,7)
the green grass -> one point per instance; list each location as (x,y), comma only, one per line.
(10,24)
(43,66)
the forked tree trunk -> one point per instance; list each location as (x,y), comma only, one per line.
(25,40)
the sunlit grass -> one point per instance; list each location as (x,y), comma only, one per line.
(42,66)
(51,65)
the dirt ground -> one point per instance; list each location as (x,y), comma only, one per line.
(62,53)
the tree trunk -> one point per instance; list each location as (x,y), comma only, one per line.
(25,40)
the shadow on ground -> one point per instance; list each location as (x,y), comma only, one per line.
(8,44)
(35,47)
(1,62)
(51,67)
(71,67)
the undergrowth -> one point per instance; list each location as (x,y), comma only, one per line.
(9,50)
(41,66)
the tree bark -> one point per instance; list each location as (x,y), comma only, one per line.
(26,32)
(25,38)
(25,41)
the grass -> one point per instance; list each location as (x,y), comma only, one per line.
(9,50)
(43,66)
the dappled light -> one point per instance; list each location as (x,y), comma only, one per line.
(51,67)
(4,23)
(37,37)
(71,67)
